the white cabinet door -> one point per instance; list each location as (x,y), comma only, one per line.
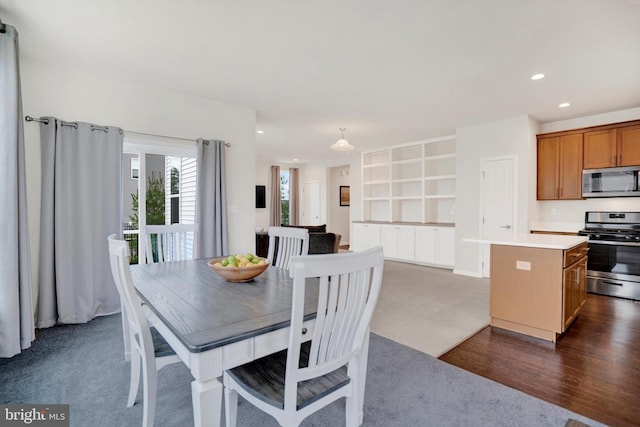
(445,244)
(425,245)
(435,245)
(389,240)
(365,236)
(397,241)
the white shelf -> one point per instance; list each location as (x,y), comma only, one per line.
(405,162)
(440,196)
(439,177)
(375,165)
(440,157)
(421,180)
(406,180)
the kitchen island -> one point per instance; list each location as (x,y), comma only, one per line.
(538,283)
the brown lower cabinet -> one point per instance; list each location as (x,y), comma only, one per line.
(537,291)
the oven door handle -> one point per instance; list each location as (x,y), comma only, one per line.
(612,243)
(606,282)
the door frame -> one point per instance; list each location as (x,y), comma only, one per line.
(484,248)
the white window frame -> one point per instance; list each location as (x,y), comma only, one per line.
(141,146)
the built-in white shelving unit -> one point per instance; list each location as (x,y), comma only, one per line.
(413,183)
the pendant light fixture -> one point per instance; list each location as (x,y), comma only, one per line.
(342,144)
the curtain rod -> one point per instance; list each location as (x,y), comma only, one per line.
(71,124)
(46,122)
(227,144)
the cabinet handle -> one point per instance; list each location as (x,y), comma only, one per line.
(508,227)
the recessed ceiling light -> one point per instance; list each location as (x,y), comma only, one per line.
(295,160)
(259,131)
(537,76)
(564,105)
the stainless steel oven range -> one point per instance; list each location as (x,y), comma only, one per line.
(613,266)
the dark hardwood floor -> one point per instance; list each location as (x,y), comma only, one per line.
(593,370)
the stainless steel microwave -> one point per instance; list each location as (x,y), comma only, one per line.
(611,182)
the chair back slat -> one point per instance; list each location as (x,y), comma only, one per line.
(349,285)
(355,299)
(286,242)
(173,242)
(132,305)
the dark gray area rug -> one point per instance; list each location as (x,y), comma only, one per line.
(83,366)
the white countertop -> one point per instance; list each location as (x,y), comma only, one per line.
(546,241)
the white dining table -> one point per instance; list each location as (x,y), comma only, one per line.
(214,325)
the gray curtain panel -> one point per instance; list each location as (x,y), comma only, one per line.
(16,305)
(81,199)
(294,190)
(212,238)
(275,215)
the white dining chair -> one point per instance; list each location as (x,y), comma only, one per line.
(286,242)
(149,351)
(294,383)
(173,242)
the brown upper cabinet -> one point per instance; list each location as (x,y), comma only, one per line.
(607,148)
(629,146)
(560,167)
(563,155)
(600,149)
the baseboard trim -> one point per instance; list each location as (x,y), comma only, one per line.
(467,273)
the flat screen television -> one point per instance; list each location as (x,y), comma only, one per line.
(260,196)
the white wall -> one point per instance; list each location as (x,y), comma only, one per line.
(594,120)
(320,172)
(339,216)
(263,177)
(514,136)
(74,96)
(518,136)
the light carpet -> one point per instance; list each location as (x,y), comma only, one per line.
(430,309)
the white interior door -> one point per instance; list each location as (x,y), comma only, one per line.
(498,202)
(311,203)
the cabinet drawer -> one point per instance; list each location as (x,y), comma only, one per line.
(574,254)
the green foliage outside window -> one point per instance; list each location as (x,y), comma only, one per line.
(155,202)
(284,197)
(284,216)
(175,181)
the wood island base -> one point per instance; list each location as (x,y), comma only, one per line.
(525,329)
(537,291)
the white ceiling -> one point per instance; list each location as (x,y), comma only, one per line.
(389,71)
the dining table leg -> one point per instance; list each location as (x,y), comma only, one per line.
(207,403)
(206,388)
